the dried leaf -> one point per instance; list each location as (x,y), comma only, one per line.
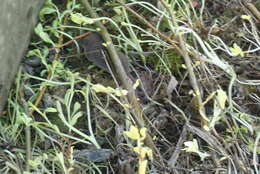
(221,98)
(219,106)
(171,86)
(192,146)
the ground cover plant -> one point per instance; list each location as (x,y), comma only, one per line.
(167,86)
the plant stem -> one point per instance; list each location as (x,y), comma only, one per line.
(122,75)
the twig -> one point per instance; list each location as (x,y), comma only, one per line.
(186,57)
(126,81)
(71,41)
(207,137)
(251,7)
(255,159)
(122,75)
(172,161)
(27,132)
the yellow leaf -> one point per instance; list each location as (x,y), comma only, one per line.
(191,92)
(183,66)
(78,18)
(133,133)
(137,150)
(142,133)
(106,44)
(236,50)
(142,166)
(143,152)
(101,88)
(149,153)
(219,106)
(120,92)
(110,90)
(192,146)
(221,98)
(197,93)
(245,17)
(206,128)
(197,63)
(137,83)
(128,106)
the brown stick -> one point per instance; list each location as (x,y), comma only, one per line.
(122,75)
(253,10)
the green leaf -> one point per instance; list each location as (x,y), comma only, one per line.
(46,11)
(42,34)
(53,29)
(34,52)
(76,107)
(26,119)
(34,163)
(45,52)
(67,96)
(78,18)
(55,128)
(118,11)
(75,118)
(51,110)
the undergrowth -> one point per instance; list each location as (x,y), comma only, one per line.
(198,91)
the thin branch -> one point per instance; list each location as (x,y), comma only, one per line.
(193,81)
(27,133)
(251,7)
(121,73)
(173,159)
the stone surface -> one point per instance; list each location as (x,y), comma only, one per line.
(17,18)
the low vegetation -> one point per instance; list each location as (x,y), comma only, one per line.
(177,92)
